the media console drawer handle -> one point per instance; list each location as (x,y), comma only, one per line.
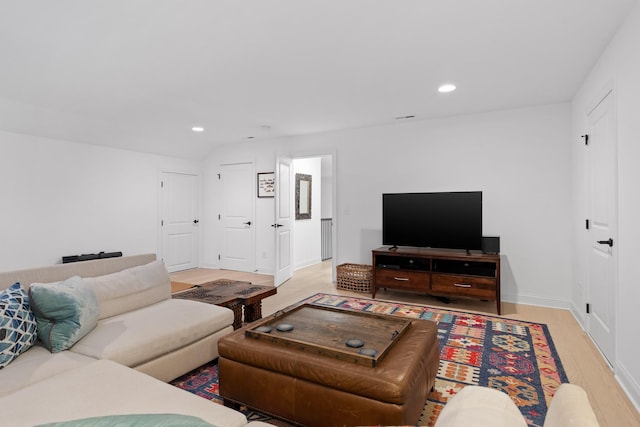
(462,285)
(402,279)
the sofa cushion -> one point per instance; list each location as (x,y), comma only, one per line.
(141,335)
(104,388)
(130,289)
(17,324)
(37,364)
(65,311)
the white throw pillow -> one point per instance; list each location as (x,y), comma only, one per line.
(130,289)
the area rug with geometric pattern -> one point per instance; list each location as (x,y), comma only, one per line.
(516,357)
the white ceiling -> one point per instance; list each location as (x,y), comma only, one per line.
(138,74)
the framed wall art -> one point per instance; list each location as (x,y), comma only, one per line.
(266,184)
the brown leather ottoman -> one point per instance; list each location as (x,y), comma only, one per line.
(313,389)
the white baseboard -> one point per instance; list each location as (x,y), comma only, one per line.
(307,263)
(622,375)
(268,272)
(536,300)
(579,316)
(628,384)
(210,266)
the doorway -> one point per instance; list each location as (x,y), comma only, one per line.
(316,171)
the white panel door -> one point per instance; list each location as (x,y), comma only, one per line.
(179,220)
(236,217)
(602,261)
(282,226)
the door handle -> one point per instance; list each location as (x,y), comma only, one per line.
(195,221)
(606,242)
(247,223)
(277,225)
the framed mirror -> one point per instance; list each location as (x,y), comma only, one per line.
(303,196)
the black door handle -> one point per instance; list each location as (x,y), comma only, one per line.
(606,242)
(277,225)
(247,223)
(195,221)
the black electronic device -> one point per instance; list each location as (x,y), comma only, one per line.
(448,220)
(88,257)
(491,244)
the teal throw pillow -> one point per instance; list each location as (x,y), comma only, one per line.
(65,311)
(17,324)
(135,420)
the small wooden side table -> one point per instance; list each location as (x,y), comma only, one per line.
(235,295)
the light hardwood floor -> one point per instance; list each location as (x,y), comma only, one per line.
(581,360)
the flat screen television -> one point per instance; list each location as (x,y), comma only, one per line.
(447,220)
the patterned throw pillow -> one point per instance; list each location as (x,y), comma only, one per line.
(17,324)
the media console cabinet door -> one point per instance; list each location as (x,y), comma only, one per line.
(402,279)
(479,287)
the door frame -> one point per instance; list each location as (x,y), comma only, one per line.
(334,200)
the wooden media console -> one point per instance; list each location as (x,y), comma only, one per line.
(441,272)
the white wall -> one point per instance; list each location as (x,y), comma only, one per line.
(61,198)
(618,68)
(520,159)
(306,232)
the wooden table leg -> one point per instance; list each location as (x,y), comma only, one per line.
(236,306)
(253,312)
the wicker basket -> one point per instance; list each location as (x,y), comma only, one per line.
(354,277)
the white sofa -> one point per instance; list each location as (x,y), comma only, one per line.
(142,339)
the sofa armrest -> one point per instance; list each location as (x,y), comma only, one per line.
(476,406)
(570,407)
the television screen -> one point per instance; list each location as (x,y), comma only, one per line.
(451,220)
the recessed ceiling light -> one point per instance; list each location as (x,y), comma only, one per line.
(197,129)
(447,88)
